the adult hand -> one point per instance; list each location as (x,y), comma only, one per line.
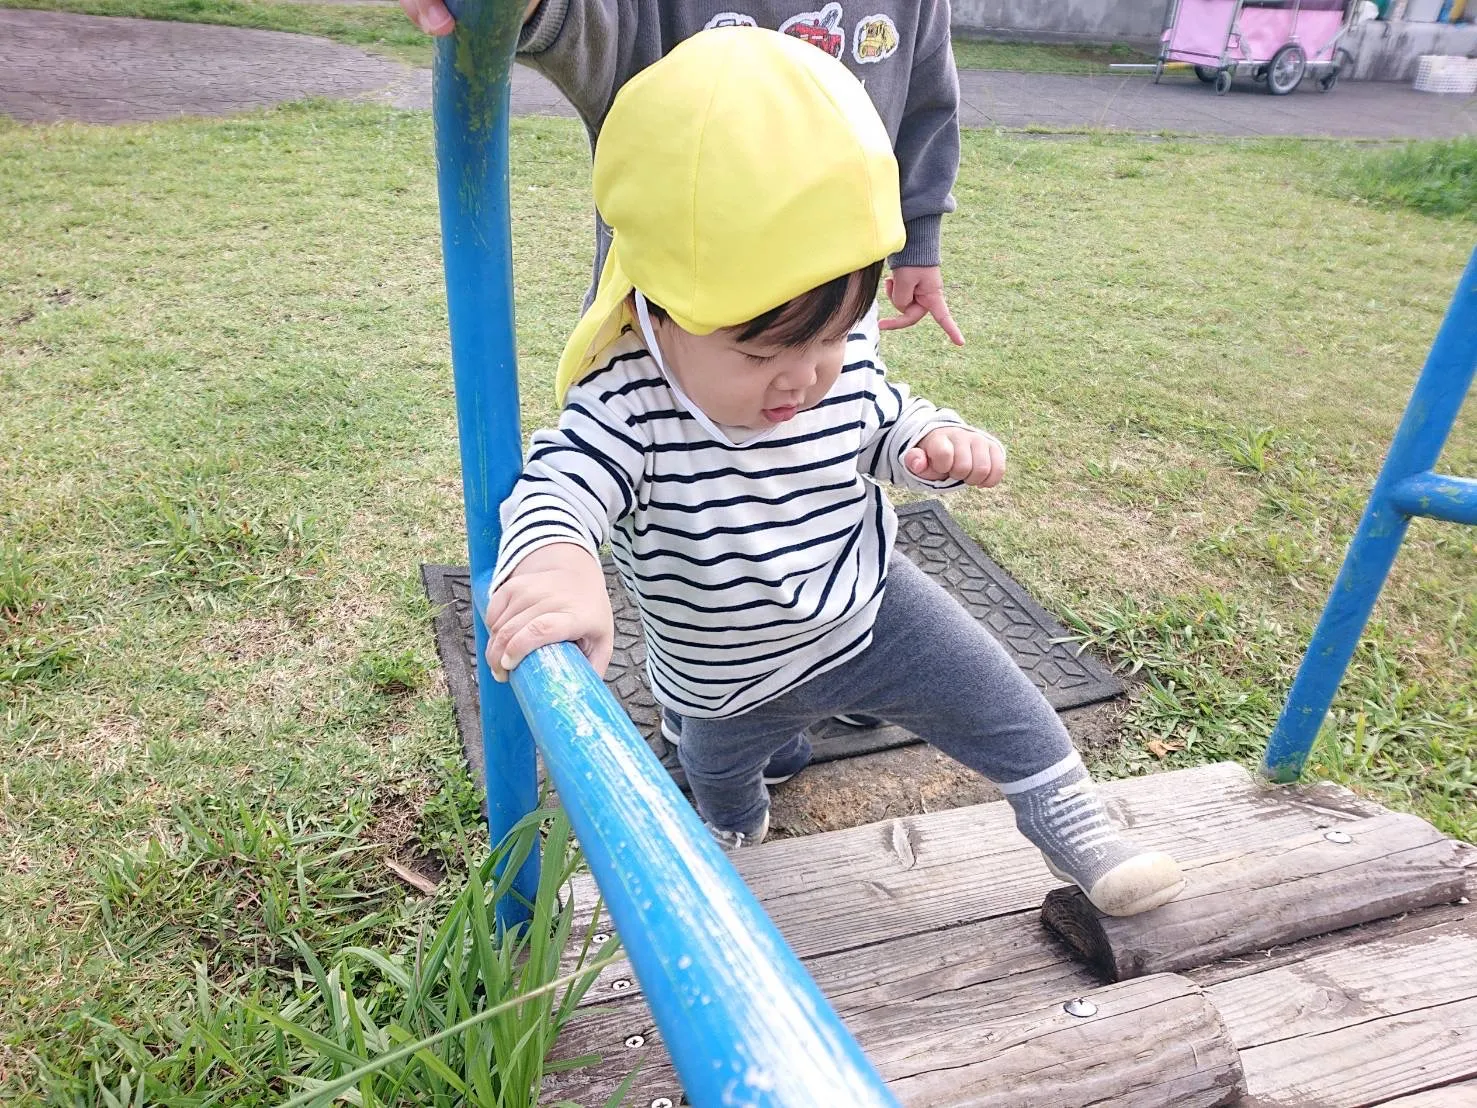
(957,454)
(557,594)
(430,16)
(915,291)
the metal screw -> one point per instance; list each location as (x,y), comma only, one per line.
(1080,1008)
(662,1102)
(600,939)
(634,1041)
(621,985)
(1340,837)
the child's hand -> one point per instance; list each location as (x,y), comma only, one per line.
(957,454)
(916,291)
(557,594)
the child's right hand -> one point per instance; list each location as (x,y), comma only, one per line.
(557,594)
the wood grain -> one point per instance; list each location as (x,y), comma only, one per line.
(1270,896)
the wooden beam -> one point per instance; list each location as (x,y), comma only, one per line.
(1269,896)
(1362,1025)
(1156,1041)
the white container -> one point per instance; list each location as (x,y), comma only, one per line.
(1446,73)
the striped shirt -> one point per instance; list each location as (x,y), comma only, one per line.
(754,566)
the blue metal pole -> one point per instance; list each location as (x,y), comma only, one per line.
(470,90)
(742,1019)
(1436,496)
(1403,482)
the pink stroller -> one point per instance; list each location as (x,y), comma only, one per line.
(1276,41)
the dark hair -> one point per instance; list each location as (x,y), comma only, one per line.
(801,321)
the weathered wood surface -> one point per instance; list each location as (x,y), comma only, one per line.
(1361,1025)
(1152,1041)
(1461,1095)
(1431,920)
(844,890)
(902,971)
(1270,896)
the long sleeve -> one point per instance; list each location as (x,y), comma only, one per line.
(927,143)
(579,479)
(590,48)
(903,419)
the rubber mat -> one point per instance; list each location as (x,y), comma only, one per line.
(927,534)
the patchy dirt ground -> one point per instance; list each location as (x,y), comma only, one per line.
(907,781)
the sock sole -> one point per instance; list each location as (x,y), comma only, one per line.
(1142,883)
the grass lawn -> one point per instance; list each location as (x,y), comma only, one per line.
(384,29)
(228,441)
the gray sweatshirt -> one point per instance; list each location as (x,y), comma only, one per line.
(899,51)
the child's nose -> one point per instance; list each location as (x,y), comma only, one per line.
(796,377)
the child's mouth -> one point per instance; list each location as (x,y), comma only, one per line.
(779,415)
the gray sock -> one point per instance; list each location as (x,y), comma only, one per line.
(1059,810)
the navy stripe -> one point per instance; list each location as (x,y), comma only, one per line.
(767,444)
(753,528)
(635,446)
(524,541)
(757,475)
(738,555)
(735,501)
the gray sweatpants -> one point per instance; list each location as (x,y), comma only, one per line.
(930,668)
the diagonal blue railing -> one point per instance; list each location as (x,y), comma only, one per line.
(1407,486)
(743,1021)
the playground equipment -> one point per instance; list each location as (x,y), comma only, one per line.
(745,1023)
(1275,41)
(922,928)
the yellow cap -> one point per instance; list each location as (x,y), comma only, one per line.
(741,170)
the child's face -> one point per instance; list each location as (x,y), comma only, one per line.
(752,384)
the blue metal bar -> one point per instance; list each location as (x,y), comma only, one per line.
(470,90)
(742,1019)
(1436,496)
(1433,408)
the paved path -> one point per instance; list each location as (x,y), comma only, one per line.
(59,66)
(105,70)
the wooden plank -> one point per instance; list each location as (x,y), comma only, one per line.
(937,982)
(1155,1041)
(933,921)
(1359,1026)
(1317,882)
(847,889)
(1428,919)
(1461,1095)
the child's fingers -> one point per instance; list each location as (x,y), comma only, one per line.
(962,464)
(539,630)
(598,648)
(940,451)
(996,465)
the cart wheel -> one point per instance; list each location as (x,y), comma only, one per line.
(1223,82)
(1207,73)
(1285,70)
(1259,74)
(1343,61)
(1158,70)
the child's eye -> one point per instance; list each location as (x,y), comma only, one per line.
(758,359)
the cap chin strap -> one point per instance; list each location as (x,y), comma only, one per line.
(730,436)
